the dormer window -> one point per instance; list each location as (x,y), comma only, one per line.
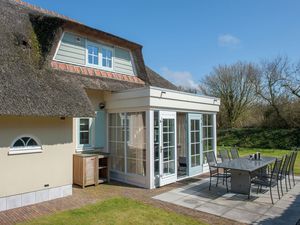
(93,55)
(106,57)
(82,51)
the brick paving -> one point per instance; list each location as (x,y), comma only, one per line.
(102,192)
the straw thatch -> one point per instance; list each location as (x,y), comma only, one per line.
(29,87)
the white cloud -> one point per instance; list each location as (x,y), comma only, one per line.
(228,40)
(182,78)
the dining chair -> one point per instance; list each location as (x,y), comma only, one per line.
(214,170)
(284,171)
(234,153)
(224,154)
(271,181)
(292,167)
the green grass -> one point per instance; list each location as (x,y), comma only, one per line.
(115,211)
(267,152)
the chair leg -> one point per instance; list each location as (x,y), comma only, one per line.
(286,187)
(226,181)
(293,178)
(217,178)
(278,190)
(289,181)
(281,186)
(209,181)
(271,195)
(257,189)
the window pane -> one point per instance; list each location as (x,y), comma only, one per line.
(25,139)
(90,49)
(84,124)
(112,119)
(96,60)
(84,138)
(103,52)
(136,140)
(109,64)
(197,160)
(19,143)
(32,142)
(197,147)
(210,132)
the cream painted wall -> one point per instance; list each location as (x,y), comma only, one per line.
(95,97)
(30,172)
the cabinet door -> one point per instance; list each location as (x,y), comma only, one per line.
(90,168)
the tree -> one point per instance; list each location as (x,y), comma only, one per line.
(292,80)
(269,86)
(234,85)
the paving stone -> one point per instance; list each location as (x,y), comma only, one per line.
(227,202)
(241,215)
(168,197)
(213,208)
(274,211)
(254,207)
(190,202)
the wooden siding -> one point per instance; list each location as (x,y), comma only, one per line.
(71,49)
(122,62)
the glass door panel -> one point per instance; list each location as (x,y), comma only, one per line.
(195,148)
(168,173)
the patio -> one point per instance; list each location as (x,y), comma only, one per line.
(256,210)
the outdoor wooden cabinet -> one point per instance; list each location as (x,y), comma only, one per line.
(90,169)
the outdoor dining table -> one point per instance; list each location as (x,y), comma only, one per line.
(241,171)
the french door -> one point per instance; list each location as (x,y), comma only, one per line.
(168,148)
(194,144)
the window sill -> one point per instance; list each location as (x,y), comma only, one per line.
(81,149)
(24,151)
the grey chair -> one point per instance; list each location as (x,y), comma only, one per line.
(224,154)
(214,170)
(234,153)
(284,171)
(292,167)
(271,181)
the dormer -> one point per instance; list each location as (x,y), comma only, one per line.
(84,51)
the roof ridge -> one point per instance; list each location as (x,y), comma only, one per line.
(42,10)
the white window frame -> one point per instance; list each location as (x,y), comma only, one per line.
(87,43)
(87,54)
(27,149)
(112,57)
(84,147)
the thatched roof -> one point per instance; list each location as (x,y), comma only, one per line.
(29,86)
(157,80)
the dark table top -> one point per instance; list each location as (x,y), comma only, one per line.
(246,164)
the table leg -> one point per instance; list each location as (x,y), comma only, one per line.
(240,182)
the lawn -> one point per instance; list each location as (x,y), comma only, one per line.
(268,152)
(115,211)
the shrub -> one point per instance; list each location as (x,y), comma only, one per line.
(260,138)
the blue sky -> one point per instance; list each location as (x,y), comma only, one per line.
(184,40)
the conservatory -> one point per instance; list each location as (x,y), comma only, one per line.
(158,136)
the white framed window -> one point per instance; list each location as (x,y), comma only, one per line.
(25,144)
(107,55)
(84,133)
(92,54)
(127,142)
